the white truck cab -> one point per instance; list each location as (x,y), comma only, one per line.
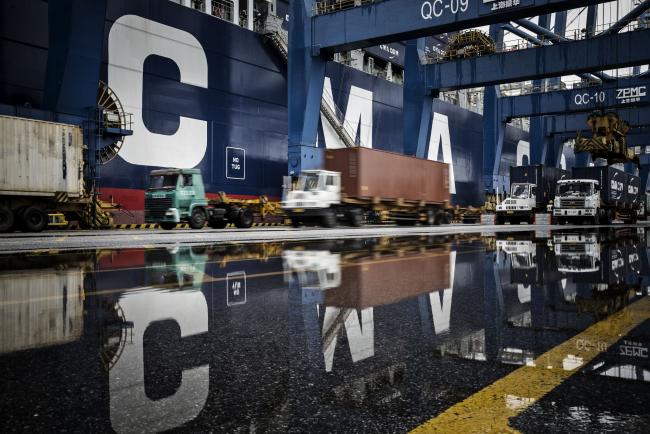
(315,189)
(520,204)
(577,198)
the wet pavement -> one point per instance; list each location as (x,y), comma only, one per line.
(529,332)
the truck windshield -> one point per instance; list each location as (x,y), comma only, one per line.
(520,191)
(574,189)
(163,181)
(309,182)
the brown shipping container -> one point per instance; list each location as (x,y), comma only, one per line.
(370,173)
(390,279)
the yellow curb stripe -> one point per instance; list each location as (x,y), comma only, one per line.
(490,409)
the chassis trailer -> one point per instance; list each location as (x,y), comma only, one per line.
(178,195)
(367,185)
(532,189)
(42,167)
(598,194)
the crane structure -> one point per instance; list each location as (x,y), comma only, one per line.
(317,30)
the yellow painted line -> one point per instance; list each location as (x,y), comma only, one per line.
(490,409)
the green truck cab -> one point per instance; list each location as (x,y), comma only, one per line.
(178,196)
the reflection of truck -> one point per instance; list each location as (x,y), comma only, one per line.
(314,269)
(178,195)
(598,194)
(532,188)
(178,267)
(355,187)
(577,253)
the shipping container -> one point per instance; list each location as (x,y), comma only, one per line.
(40,158)
(544,177)
(371,173)
(613,184)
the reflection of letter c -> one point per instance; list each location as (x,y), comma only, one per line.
(429,15)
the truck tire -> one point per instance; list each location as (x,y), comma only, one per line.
(6,219)
(197,220)
(355,218)
(328,219)
(245,219)
(295,222)
(168,226)
(218,223)
(609,217)
(442,218)
(430,217)
(33,219)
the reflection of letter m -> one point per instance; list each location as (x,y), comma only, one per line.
(131,40)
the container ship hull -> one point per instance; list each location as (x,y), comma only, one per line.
(203,91)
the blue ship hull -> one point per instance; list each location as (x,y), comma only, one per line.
(198,86)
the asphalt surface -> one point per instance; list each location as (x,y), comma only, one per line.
(381,335)
(147,238)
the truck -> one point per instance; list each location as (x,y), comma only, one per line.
(598,194)
(44,168)
(532,189)
(178,195)
(359,185)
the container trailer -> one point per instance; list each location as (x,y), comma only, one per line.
(41,169)
(362,184)
(532,188)
(598,194)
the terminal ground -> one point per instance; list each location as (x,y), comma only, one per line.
(72,240)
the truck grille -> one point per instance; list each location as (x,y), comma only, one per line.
(574,248)
(156,208)
(572,203)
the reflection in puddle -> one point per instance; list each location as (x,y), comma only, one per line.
(229,337)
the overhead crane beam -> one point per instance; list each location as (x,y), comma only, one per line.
(633,91)
(534,40)
(555,38)
(399,20)
(636,117)
(573,57)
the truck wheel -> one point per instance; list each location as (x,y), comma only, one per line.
(609,217)
(6,219)
(245,219)
(168,226)
(197,220)
(295,222)
(218,223)
(328,220)
(34,219)
(430,217)
(355,218)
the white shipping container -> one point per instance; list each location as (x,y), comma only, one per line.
(39,158)
(40,308)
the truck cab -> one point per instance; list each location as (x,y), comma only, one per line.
(175,196)
(314,196)
(520,205)
(578,199)
(315,189)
